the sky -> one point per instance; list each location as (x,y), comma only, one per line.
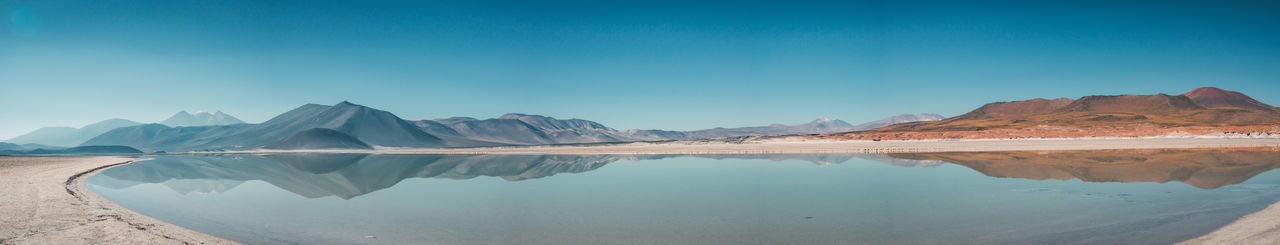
(677,65)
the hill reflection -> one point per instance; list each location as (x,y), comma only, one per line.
(1203,168)
(350,175)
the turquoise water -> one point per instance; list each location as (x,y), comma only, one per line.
(686,199)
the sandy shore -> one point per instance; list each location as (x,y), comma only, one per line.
(1262,227)
(45,201)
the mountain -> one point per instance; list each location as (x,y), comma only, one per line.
(185,119)
(319,138)
(1210,97)
(1201,107)
(68,136)
(371,126)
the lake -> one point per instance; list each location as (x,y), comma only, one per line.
(1132,197)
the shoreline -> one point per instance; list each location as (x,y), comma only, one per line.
(793,145)
(47,202)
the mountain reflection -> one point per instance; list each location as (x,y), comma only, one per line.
(350,175)
(1202,168)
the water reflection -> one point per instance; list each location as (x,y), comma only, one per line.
(1203,168)
(350,175)
(919,198)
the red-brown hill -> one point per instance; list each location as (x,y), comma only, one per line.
(1201,107)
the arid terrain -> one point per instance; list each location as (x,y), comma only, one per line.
(1202,111)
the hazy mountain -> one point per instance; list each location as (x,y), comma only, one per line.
(1202,107)
(185,119)
(524,129)
(39,146)
(905,118)
(819,126)
(371,126)
(93,149)
(9,146)
(319,138)
(157,137)
(68,136)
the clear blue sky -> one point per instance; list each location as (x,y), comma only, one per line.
(627,64)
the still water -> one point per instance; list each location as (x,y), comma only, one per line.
(1132,197)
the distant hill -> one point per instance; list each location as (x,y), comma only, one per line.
(819,126)
(185,119)
(524,129)
(68,136)
(1201,107)
(9,146)
(905,118)
(319,138)
(93,149)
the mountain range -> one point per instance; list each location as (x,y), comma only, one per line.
(1206,106)
(350,126)
(185,119)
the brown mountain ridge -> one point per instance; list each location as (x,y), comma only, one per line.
(1203,110)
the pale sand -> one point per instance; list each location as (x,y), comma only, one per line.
(44,200)
(1262,227)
